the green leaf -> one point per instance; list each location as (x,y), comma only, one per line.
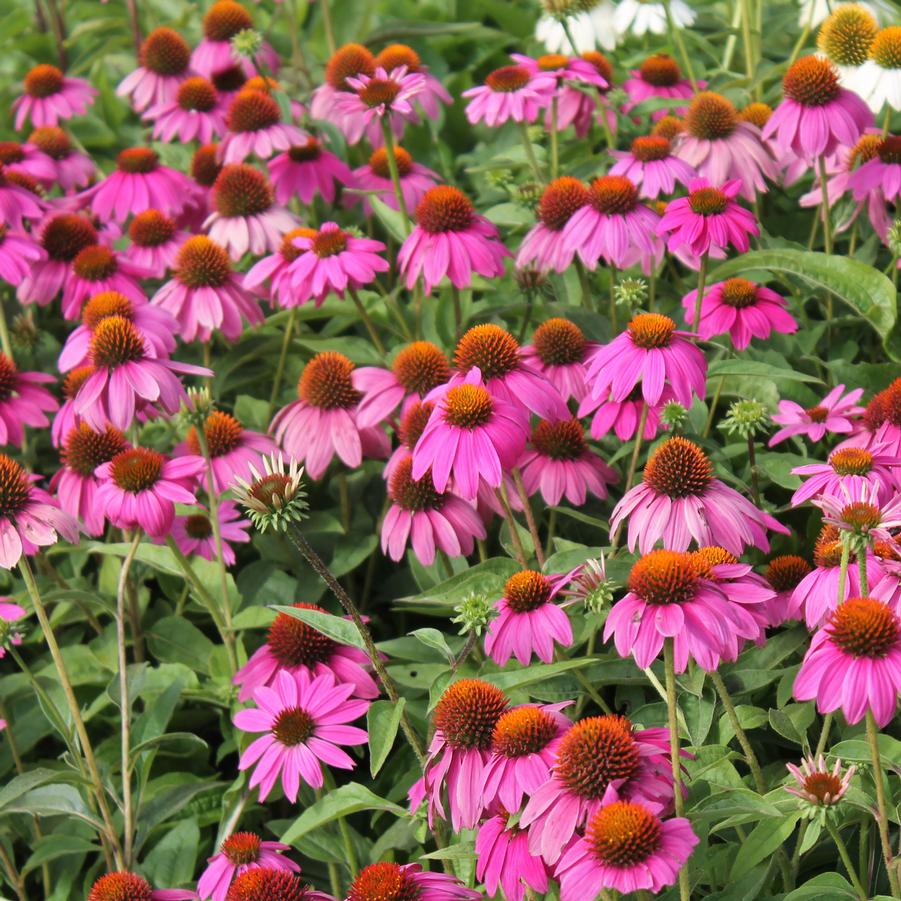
(432,638)
(52,847)
(858,750)
(52,801)
(382,721)
(518,678)
(861,287)
(335,627)
(165,804)
(824,887)
(171,862)
(483,578)
(756,369)
(391,219)
(340,802)
(174,639)
(793,721)
(764,839)
(183,742)
(21,785)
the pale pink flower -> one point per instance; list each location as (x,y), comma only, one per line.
(255,128)
(155,242)
(415,179)
(50,97)
(559,351)
(834,414)
(214,54)
(195,113)
(504,862)
(18,254)
(659,76)
(652,167)
(381,96)
(512,93)
(544,245)
(163,60)
(307,169)
(193,533)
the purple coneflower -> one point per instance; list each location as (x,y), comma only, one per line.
(51,97)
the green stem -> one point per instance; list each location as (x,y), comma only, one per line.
(676,35)
(755,475)
(395,175)
(5,341)
(740,734)
(530,516)
(282,359)
(350,852)
(613,325)
(370,325)
(846,860)
(555,149)
(530,152)
(583,282)
(633,467)
(511,525)
(702,279)
(731,40)
(458,312)
(582,679)
(569,35)
(862,569)
(747,40)
(329,28)
(673,722)
(551,528)
(881,807)
(843,569)
(824,205)
(713,405)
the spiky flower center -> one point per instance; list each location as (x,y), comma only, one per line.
(648,148)
(102,306)
(413,423)
(624,834)
(493,349)
(811,81)
(467,713)
(205,168)
(827,550)
(196,94)
(886,49)
(11,152)
(252,110)
(241,848)
(43,81)
(708,201)
(847,35)
(137,469)
(613,195)
(151,228)
(650,330)
(444,209)
(52,140)
(95,263)
(198,526)
(379,92)
(396,55)
(679,468)
(786,572)
(527,591)
(165,52)
(561,199)
(851,461)
(289,250)
(293,726)
(378,162)
(229,80)
(817,414)
(384,882)
(706,558)
(522,731)
(326,382)
(738,293)
(660,70)
(420,367)
(861,516)
(889,150)
(823,786)
(414,496)
(347,62)
(202,263)
(756,113)
(329,242)
(116,341)
(272,491)
(563,440)
(864,627)
(467,406)
(14,487)
(305,153)
(508,79)
(293,643)
(137,160)
(664,577)
(559,342)
(710,116)
(668,127)
(259,884)
(224,19)
(222,432)
(9,376)
(66,235)
(120,886)
(600,62)
(596,751)
(74,380)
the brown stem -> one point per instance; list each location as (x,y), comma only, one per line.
(530,516)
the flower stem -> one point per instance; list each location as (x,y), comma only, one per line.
(512,525)
(740,734)
(613,324)
(530,516)
(882,815)
(5,341)
(824,205)
(843,569)
(282,359)
(329,29)
(755,475)
(530,152)
(87,749)
(633,466)
(702,279)
(395,175)
(370,325)
(673,722)
(569,35)
(583,282)
(863,578)
(555,149)
(350,852)
(747,41)
(676,35)
(458,312)
(135,22)
(846,860)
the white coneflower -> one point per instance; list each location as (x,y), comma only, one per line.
(815,12)
(589,24)
(638,17)
(878,80)
(846,37)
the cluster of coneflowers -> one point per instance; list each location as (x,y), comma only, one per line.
(145,259)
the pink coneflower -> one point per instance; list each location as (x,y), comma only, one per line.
(29,517)
(155,241)
(291,645)
(544,246)
(307,169)
(415,179)
(156,326)
(465,718)
(887,585)
(518,93)
(651,166)
(139,488)
(98,269)
(659,76)
(527,620)
(853,467)
(276,269)
(255,127)
(205,169)
(599,760)
(857,509)
(239,853)
(418,368)
(123,886)
(18,254)
(126,376)
(246,217)
(429,519)
(880,174)
(163,63)
(50,97)
(28,160)
(273,884)
(380,881)
(817,115)
(721,147)
(881,420)
(624,416)
(194,114)
(9,613)
(18,205)
(214,54)
(433,93)
(559,463)
(334,261)
(854,662)
(206,294)
(22,401)
(66,418)
(71,168)
(626,847)
(742,309)
(471,435)
(613,225)
(651,352)
(816,784)
(496,354)
(75,485)
(346,62)
(834,414)
(679,501)
(450,239)
(708,219)
(322,422)
(668,598)
(783,574)
(504,863)
(559,351)
(304,718)
(194,533)
(523,751)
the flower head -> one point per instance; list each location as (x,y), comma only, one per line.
(834,414)
(50,96)
(816,785)
(239,853)
(163,62)
(398,882)
(125,886)
(194,533)
(518,93)
(273,498)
